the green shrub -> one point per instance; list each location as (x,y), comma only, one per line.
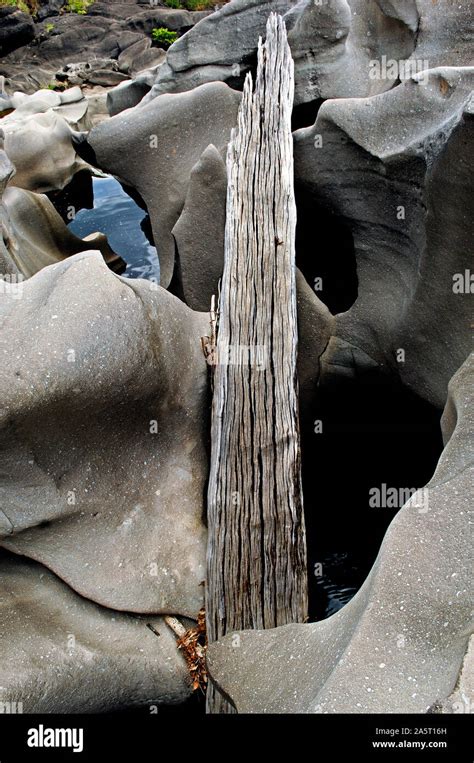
(163,36)
(194,5)
(77,6)
(48,28)
(200,5)
(20,4)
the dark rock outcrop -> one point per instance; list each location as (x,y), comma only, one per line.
(16,29)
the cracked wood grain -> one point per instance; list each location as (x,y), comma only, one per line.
(256,565)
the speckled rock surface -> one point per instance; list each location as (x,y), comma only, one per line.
(399,645)
(315,327)
(64,654)
(461,701)
(103,435)
(128,94)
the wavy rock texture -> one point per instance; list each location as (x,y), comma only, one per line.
(38,237)
(40,148)
(384,164)
(333,42)
(7,266)
(399,644)
(220,48)
(76,657)
(103,436)
(104,389)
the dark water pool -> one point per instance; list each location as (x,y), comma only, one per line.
(117,215)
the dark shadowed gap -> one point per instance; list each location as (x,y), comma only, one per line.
(325,254)
(304,115)
(78,194)
(374,431)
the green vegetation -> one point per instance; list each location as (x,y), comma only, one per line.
(77,6)
(49,28)
(163,36)
(194,5)
(200,5)
(20,4)
(54,85)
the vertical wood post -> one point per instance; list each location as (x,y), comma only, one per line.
(256,565)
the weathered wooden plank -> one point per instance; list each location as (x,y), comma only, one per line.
(256,575)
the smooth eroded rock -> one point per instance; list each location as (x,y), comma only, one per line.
(64,654)
(386,184)
(103,435)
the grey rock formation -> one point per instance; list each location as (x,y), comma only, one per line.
(7,267)
(399,644)
(139,56)
(444,33)
(102,71)
(104,388)
(64,654)
(381,164)
(336,42)
(355,48)
(70,105)
(48,8)
(221,47)
(106,31)
(129,94)
(177,20)
(97,110)
(199,232)
(39,145)
(103,435)
(38,237)
(435,331)
(316,325)
(154,147)
(341,48)
(461,700)
(16,29)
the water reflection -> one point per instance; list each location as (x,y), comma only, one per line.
(122,220)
